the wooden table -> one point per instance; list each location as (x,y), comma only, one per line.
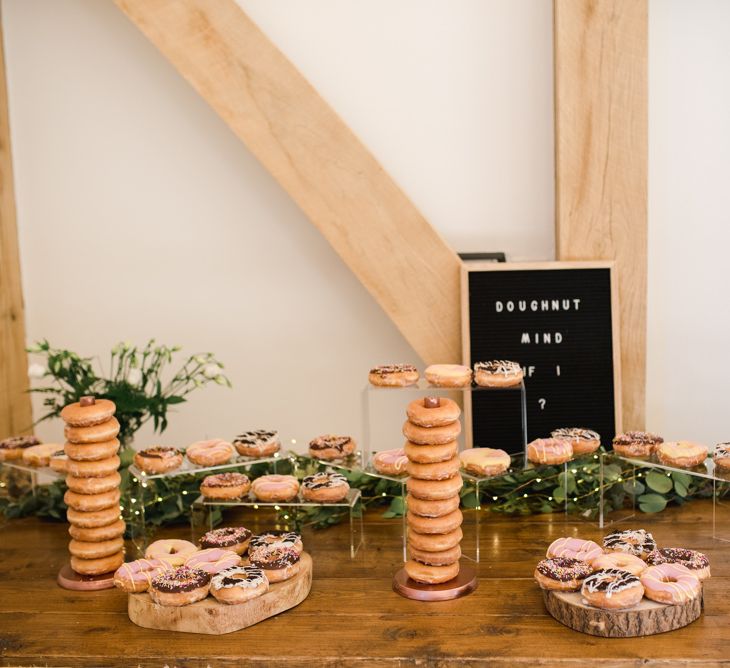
(351,616)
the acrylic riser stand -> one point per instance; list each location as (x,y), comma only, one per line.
(383,411)
(201,517)
(636,470)
(37,476)
(144,493)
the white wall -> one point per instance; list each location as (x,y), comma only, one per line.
(141,215)
(689,219)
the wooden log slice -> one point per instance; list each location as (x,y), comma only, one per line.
(211,617)
(645,619)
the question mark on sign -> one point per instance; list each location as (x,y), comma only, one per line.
(542,403)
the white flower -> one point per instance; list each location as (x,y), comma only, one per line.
(211,370)
(134,376)
(37,370)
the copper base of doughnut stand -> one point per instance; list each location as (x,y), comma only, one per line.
(70,579)
(462,585)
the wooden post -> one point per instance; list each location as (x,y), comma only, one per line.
(318,160)
(601,160)
(15,407)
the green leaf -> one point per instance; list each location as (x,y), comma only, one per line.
(652,503)
(683,478)
(174,399)
(397,506)
(470,500)
(680,488)
(634,487)
(559,494)
(659,482)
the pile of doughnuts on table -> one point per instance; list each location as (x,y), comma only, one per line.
(626,568)
(229,563)
(321,487)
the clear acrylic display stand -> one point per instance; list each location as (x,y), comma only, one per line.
(201,519)
(143,493)
(635,470)
(38,475)
(389,405)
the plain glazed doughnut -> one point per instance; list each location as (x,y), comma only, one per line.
(40,455)
(393,375)
(239,584)
(721,456)
(179,587)
(172,550)
(330,447)
(91,502)
(442,524)
(682,454)
(97,518)
(98,469)
(697,563)
(136,576)
(433,411)
(95,550)
(105,483)
(229,485)
(271,488)
(99,432)
(670,583)
(434,490)
(549,451)
(584,441)
(97,566)
(12,448)
(88,411)
(435,471)
(435,508)
(612,589)
(485,461)
(390,462)
(278,564)
(212,452)
(213,560)
(325,487)
(633,541)
(574,548)
(160,459)
(92,451)
(623,561)
(258,443)
(428,454)
(562,573)
(443,558)
(448,375)
(636,443)
(498,373)
(235,539)
(431,435)
(434,542)
(427,574)
(97,534)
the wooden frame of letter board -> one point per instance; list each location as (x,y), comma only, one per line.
(469,267)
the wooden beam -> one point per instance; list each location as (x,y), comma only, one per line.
(15,408)
(601,160)
(318,160)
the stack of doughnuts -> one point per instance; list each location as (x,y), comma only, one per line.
(434,483)
(97,530)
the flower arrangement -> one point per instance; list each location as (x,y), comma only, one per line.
(141,381)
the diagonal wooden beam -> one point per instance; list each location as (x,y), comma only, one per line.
(15,407)
(318,160)
(601,160)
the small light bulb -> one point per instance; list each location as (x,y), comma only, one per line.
(494,498)
(277,508)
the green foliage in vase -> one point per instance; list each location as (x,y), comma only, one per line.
(144,382)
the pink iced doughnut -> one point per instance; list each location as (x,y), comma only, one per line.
(549,451)
(136,576)
(574,548)
(670,583)
(213,560)
(173,551)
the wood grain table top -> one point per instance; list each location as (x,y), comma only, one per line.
(352,617)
